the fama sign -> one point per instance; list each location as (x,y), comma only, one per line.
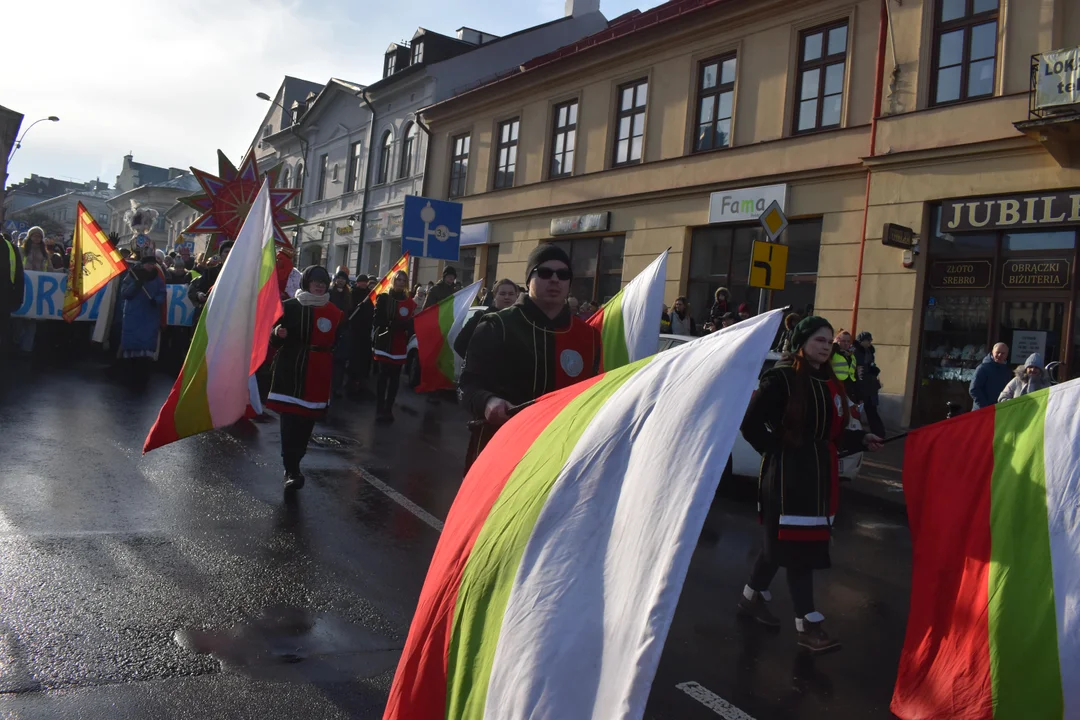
(1032,210)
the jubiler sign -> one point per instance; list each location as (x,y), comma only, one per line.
(1058,83)
(1031,210)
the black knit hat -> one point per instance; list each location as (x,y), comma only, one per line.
(314,273)
(449,270)
(807,327)
(542,254)
(341,273)
(864,336)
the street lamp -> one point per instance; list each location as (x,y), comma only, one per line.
(18,143)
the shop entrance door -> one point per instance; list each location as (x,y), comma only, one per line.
(1033,327)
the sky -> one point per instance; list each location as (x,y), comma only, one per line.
(171,81)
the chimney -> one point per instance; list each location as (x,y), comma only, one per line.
(577,8)
(175,173)
(475,37)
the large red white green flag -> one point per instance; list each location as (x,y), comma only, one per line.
(629,323)
(993,501)
(554,583)
(216,384)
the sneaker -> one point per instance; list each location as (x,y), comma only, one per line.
(294,480)
(814,639)
(757,610)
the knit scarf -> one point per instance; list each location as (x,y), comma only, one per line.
(308,300)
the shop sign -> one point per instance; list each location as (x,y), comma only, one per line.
(1059,79)
(1036,273)
(1030,210)
(961,274)
(746,204)
(898,236)
(593,222)
(476,234)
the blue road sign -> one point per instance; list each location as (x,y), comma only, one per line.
(16,226)
(431,228)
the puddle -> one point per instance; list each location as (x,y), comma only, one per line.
(333,441)
(287,643)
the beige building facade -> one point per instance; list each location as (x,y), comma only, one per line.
(675,127)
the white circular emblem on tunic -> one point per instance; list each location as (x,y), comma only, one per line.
(571,362)
(323,324)
(403,311)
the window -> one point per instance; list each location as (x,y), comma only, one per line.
(716,91)
(384,158)
(965,50)
(720,256)
(285,178)
(459,165)
(389,65)
(418,53)
(352,179)
(630,122)
(466,266)
(563,139)
(299,184)
(407,148)
(324,163)
(820,90)
(597,265)
(507,153)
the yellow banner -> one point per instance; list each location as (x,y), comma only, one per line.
(387,282)
(94,262)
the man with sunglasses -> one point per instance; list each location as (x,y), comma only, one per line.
(534,347)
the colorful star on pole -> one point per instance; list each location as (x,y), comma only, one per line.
(229,195)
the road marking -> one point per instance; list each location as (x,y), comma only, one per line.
(400,499)
(714,702)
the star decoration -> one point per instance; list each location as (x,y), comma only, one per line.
(229,195)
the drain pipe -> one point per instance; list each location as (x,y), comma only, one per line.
(367,179)
(879,74)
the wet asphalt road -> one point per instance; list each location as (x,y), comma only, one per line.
(179,585)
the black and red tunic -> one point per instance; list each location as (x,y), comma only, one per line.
(304,364)
(393,323)
(798,490)
(519,354)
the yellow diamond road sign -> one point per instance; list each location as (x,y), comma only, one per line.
(773,220)
(768,268)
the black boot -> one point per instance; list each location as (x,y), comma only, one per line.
(294,480)
(813,638)
(757,609)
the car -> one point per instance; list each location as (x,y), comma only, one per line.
(412,359)
(745,461)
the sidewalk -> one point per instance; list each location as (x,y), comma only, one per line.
(881,474)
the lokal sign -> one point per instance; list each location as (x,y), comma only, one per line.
(593,222)
(1058,83)
(1030,210)
(745,205)
(1036,273)
(961,274)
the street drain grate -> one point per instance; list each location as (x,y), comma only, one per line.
(333,441)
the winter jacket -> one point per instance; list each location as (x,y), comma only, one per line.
(798,487)
(304,362)
(461,344)
(437,294)
(990,379)
(12,280)
(144,300)
(1022,384)
(393,322)
(868,384)
(718,311)
(682,325)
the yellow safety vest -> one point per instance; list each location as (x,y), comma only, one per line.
(843,367)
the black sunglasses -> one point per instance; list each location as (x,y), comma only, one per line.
(546,273)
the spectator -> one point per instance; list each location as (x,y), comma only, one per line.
(393,322)
(866,373)
(682,323)
(441,291)
(200,287)
(1030,376)
(420,295)
(360,335)
(783,340)
(483,298)
(728,319)
(504,295)
(665,319)
(178,274)
(720,307)
(574,304)
(991,377)
(843,364)
(341,297)
(35,253)
(143,291)
(744,312)
(12,288)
